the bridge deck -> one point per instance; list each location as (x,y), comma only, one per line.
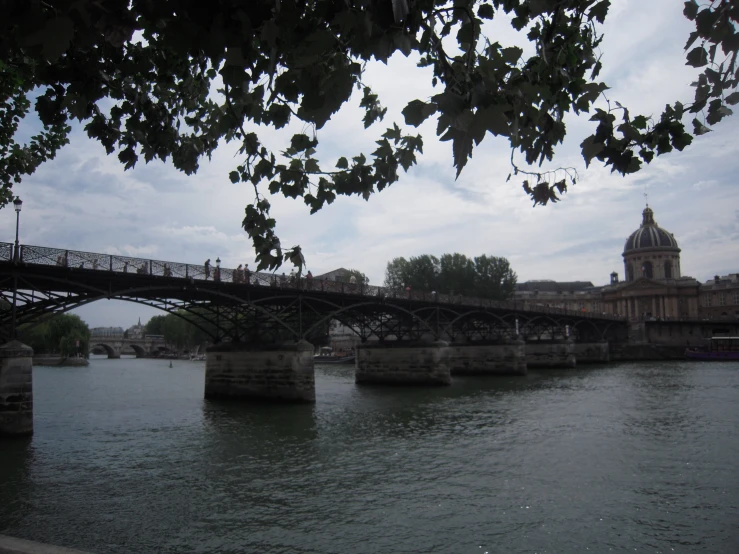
(75,272)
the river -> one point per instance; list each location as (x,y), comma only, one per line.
(128,457)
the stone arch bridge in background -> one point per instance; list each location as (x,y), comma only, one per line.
(115,346)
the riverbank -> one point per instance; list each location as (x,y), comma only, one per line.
(60,361)
(12,545)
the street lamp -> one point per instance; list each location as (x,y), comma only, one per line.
(17,203)
(218,262)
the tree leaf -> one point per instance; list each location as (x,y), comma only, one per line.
(590,149)
(485,11)
(416,112)
(697,57)
(57,35)
(599,11)
(690,10)
(512,55)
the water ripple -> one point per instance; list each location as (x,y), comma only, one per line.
(128,457)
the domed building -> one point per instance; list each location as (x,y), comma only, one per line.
(653,289)
(651,251)
(653,286)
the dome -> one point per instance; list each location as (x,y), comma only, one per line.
(650,235)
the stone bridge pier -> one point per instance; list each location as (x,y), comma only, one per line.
(279,372)
(504,357)
(551,353)
(403,363)
(597,352)
(16,389)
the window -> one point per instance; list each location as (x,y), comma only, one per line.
(722,299)
(630,272)
(646,270)
(668,270)
(707,300)
(736,297)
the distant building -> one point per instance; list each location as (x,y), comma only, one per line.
(654,287)
(135,331)
(342,338)
(340,274)
(719,297)
(568,295)
(107,332)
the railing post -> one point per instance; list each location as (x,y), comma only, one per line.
(151,271)
(111,263)
(187,271)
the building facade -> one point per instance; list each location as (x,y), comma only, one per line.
(719,297)
(653,285)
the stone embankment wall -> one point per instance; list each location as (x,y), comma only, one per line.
(688,333)
(403,363)
(592,352)
(637,352)
(488,359)
(16,389)
(12,545)
(550,354)
(60,361)
(281,372)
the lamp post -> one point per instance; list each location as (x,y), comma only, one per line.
(17,203)
(217,277)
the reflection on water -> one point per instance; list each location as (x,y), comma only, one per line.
(128,457)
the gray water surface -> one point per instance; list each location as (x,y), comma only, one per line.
(128,457)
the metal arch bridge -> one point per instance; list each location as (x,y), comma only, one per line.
(36,280)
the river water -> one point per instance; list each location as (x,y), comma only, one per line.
(128,457)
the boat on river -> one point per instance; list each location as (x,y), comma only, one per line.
(333,359)
(327,356)
(720,349)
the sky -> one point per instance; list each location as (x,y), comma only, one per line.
(84,200)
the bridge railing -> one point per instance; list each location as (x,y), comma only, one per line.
(6,251)
(41,255)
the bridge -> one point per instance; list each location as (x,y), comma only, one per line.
(114,346)
(261,327)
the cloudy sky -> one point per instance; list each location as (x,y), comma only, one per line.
(84,200)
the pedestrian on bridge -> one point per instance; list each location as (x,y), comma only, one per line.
(238,272)
(206,267)
(247,274)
